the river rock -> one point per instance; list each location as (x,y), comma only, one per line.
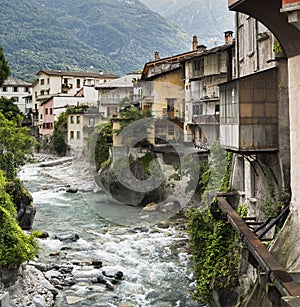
(71,190)
(151,207)
(71,300)
(67,237)
(171,206)
(26,216)
(39,301)
(8,275)
(113,273)
(52,274)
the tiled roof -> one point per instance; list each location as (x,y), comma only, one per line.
(76,74)
(124,81)
(15,82)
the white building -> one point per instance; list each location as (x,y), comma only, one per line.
(19,91)
(64,84)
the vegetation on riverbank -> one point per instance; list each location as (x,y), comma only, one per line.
(213,242)
(15,144)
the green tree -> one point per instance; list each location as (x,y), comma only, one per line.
(4,68)
(58,140)
(15,139)
(15,246)
(10,110)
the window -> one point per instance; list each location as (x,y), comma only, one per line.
(72,119)
(198,109)
(78,135)
(15,99)
(92,121)
(250,36)
(78,83)
(26,89)
(171,130)
(241,42)
(46,111)
(15,89)
(71,134)
(48,80)
(198,67)
(51,111)
(41,116)
(42,81)
(78,119)
(42,93)
(170,106)
(4,89)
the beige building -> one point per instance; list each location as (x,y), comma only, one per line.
(203,72)
(81,121)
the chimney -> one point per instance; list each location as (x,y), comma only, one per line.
(228,37)
(195,43)
(156,56)
(201,48)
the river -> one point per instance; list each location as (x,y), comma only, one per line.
(153,258)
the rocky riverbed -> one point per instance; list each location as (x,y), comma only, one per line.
(89,260)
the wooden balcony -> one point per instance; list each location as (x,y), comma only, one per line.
(249,118)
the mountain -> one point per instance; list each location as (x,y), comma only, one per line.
(117,36)
(208,19)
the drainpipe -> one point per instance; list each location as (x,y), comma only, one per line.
(237,60)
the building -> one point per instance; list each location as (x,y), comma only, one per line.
(81,121)
(19,91)
(52,107)
(63,84)
(117,93)
(203,72)
(254,121)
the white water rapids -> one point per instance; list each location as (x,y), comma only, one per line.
(155,260)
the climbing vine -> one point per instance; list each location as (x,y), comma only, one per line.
(215,253)
(213,242)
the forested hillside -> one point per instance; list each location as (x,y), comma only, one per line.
(118,36)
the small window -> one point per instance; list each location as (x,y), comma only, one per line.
(46,111)
(171,130)
(42,81)
(16,89)
(51,111)
(41,116)
(78,83)
(4,89)
(71,134)
(78,119)
(42,93)
(48,80)
(78,135)
(72,119)
(92,121)
(26,89)
(15,99)
(250,36)
(241,42)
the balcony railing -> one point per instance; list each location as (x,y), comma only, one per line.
(206,119)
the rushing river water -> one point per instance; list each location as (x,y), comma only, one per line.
(155,262)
